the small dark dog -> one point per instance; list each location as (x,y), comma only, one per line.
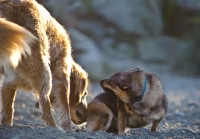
(132,99)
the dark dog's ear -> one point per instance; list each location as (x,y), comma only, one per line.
(135,70)
(106,85)
(126,86)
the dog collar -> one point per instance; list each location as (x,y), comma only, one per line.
(144,88)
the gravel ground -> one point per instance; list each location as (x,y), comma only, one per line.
(181,121)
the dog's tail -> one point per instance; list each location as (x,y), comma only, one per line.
(14,42)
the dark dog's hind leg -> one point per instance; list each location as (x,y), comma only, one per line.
(155,125)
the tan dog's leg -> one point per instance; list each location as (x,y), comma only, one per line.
(155,125)
(44,85)
(60,90)
(8,94)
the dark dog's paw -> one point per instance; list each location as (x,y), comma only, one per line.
(133,107)
(130,106)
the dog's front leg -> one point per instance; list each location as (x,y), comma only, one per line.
(8,94)
(122,117)
(60,92)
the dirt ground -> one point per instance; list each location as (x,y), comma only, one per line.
(182,120)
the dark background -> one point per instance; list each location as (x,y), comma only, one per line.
(109,36)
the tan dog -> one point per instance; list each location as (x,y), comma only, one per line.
(132,99)
(47,69)
(15,41)
(78,93)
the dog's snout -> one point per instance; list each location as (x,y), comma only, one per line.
(102,81)
(105,82)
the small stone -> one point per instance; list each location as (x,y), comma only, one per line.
(178,124)
(166,124)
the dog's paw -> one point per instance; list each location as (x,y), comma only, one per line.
(130,106)
(6,120)
(59,128)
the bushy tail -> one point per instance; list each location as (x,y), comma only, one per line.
(14,42)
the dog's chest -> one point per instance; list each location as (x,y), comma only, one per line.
(134,120)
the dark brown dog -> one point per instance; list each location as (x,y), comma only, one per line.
(132,99)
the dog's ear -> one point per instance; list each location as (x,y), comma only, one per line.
(126,86)
(106,84)
(135,70)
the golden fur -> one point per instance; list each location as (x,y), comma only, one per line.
(14,42)
(47,70)
(78,93)
(123,105)
(78,83)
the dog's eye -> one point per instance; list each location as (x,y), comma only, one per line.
(138,98)
(78,114)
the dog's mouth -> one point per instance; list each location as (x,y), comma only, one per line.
(75,121)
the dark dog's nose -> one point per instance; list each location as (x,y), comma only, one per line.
(101,81)
(104,81)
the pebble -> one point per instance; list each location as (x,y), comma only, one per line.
(166,124)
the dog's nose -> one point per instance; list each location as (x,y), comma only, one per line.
(101,81)
(104,81)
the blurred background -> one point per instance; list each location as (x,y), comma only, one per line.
(160,36)
(108,36)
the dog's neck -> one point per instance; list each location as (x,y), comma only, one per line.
(144,88)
